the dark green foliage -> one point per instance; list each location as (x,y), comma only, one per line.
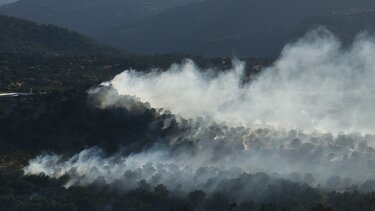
(64,122)
(196,197)
(20,72)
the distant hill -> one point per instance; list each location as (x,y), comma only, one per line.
(89,17)
(25,37)
(242,27)
(245,28)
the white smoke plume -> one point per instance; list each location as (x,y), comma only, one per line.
(305,118)
(224,153)
(315,85)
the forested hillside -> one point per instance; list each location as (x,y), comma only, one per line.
(25,37)
(69,121)
(85,127)
(89,17)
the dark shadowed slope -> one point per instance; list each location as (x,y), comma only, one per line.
(89,17)
(20,36)
(241,27)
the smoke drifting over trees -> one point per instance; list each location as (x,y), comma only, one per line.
(305,122)
(317,84)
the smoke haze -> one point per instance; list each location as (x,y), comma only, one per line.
(307,118)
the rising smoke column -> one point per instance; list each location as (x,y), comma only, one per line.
(305,118)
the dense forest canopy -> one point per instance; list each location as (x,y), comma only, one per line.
(70,121)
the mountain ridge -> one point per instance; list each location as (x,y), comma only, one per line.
(247,28)
(26,37)
(88,17)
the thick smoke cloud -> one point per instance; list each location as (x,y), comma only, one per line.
(307,118)
(317,84)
